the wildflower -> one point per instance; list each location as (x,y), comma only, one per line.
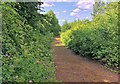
(6,55)
(30,81)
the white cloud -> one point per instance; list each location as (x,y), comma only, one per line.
(73,14)
(64,11)
(59,0)
(47,4)
(76,10)
(63,20)
(62,0)
(57,13)
(86,17)
(85,10)
(85,4)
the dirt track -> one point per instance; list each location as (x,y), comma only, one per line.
(73,68)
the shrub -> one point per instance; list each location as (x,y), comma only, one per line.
(97,39)
(26,53)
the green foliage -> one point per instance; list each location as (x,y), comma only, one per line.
(65,26)
(99,7)
(26,52)
(54,26)
(97,39)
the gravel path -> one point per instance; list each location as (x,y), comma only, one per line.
(73,68)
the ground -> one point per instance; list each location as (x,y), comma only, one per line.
(74,68)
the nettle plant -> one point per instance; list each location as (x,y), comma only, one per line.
(26,52)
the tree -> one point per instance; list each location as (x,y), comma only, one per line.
(28,10)
(99,7)
(54,27)
(65,26)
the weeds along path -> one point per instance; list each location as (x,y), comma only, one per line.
(73,68)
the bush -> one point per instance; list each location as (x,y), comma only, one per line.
(97,39)
(26,53)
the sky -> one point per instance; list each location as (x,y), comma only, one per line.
(70,11)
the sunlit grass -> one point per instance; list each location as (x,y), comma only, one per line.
(58,42)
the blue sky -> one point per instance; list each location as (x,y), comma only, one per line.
(70,10)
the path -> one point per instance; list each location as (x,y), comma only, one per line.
(73,68)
